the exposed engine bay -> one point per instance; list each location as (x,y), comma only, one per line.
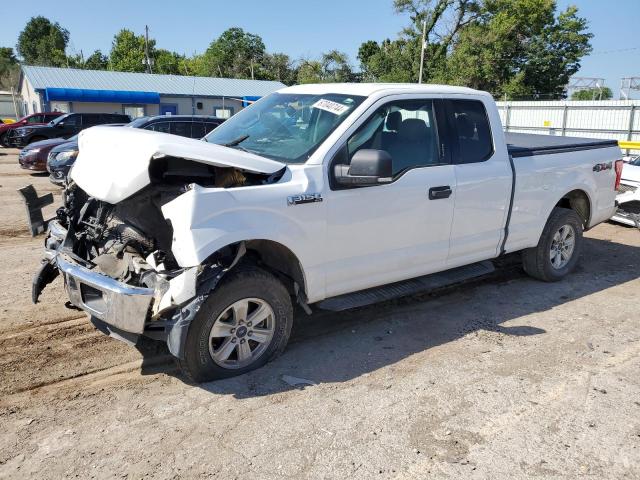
(131,241)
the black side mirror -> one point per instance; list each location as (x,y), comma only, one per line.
(368,167)
(60,124)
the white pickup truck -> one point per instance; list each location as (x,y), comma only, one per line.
(329,196)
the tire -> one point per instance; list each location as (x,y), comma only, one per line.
(204,356)
(3,140)
(549,265)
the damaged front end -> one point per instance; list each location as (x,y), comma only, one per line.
(117,261)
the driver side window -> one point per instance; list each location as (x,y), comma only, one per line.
(406,130)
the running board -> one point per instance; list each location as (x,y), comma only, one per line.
(407,287)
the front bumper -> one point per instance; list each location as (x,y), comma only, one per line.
(115,303)
(32,161)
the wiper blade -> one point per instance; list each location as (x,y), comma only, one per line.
(235,142)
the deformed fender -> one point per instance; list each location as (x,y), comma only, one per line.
(182,318)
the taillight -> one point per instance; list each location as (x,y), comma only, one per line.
(619,165)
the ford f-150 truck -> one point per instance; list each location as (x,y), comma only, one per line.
(329,196)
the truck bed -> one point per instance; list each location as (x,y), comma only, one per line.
(526,144)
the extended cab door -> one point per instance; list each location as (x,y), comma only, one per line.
(390,232)
(483,180)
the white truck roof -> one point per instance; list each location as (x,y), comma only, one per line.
(368,89)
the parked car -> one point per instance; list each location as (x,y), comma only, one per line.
(64,126)
(191,126)
(331,196)
(62,157)
(628,198)
(28,121)
(34,156)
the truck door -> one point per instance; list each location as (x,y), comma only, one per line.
(390,232)
(483,183)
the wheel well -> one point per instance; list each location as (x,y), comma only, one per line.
(578,201)
(279,260)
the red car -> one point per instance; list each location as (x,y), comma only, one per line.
(33,119)
(34,155)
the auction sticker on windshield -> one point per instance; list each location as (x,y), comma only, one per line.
(329,106)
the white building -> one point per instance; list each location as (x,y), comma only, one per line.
(45,89)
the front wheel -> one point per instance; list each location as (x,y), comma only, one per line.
(4,137)
(244,323)
(558,250)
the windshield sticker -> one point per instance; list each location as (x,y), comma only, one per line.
(329,106)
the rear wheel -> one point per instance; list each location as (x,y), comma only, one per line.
(558,250)
(244,323)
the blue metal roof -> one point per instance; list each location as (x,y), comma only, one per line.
(70,78)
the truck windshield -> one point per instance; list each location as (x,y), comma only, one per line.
(285,127)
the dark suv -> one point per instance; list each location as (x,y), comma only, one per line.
(192,126)
(64,126)
(30,120)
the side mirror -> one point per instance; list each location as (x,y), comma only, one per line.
(368,167)
(60,124)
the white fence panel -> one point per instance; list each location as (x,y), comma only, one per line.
(610,119)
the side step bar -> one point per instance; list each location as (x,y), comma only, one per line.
(406,287)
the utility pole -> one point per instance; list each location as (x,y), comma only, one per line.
(146,48)
(424,41)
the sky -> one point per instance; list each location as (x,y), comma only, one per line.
(300,28)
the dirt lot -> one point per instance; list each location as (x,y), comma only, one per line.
(503,378)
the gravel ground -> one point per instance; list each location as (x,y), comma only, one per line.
(505,377)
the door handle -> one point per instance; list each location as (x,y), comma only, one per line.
(436,193)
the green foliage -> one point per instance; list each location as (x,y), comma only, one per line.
(593,94)
(43,43)
(97,61)
(332,67)
(9,68)
(127,52)
(278,66)
(235,54)
(512,48)
(167,62)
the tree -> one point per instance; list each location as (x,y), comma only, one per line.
(332,67)
(399,60)
(9,68)
(43,43)
(235,54)
(96,61)
(604,93)
(512,48)
(167,62)
(278,66)
(128,52)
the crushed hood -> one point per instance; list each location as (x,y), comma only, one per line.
(113,163)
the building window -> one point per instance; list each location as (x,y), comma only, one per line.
(63,107)
(221,112)
(134,111)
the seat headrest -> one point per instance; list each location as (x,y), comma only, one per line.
(465,126)
(413,129)
(393,121)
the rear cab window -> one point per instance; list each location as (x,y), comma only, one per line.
(470,131)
